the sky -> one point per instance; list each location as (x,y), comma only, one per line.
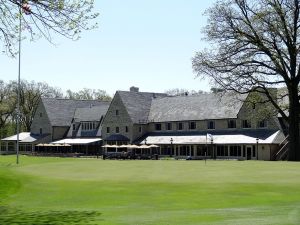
(148,44)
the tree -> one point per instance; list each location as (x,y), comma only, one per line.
(182,92)
(30,95)
(6,106)
(42,18)
(255,46)
(88,94)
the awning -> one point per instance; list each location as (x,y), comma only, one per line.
(273,138)
(25,137)
(77,141)
(117,137)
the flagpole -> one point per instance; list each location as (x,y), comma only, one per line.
(19,81)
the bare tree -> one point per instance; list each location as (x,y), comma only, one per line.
(255,46)
(89,94)
(42,18)
(30,95)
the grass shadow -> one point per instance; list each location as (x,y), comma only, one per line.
(10,216)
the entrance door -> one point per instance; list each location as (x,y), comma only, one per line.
(249,152)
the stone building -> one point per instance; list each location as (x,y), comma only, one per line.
(72,122)
(206,125)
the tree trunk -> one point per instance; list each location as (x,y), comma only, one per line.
(294,143)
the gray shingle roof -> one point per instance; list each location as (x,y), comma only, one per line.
(93,113)
(138,104)
(199,107)
(61,111)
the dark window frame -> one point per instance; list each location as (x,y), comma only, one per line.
(211,125)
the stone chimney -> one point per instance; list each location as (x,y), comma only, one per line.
(134,89)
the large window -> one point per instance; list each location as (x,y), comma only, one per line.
(235,151)
(192,125)
(88,126)
(246,124)
(210,124)
(158,126)
(222,150)
(231,123)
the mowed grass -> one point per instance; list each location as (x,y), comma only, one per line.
(57,191)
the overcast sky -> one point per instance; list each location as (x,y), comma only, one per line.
(148,44)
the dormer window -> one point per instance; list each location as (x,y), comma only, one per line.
(88,126)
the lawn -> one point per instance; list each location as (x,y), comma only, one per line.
(56,191)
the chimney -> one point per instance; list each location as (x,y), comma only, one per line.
(134,89)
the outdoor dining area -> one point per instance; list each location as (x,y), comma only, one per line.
(130,151)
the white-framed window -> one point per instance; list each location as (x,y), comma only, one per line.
(88,126)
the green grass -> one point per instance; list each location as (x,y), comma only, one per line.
(55,191)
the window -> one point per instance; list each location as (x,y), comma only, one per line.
(41,131)
(210,125)
(168,126)
(231,123)
(41,114)
(246,124)
(192,125)
(126,129)
(179,126)
(88,126)
(108,130)
(235,151)
(158,126)
(117,112)
(262,124)
(140,129)
(117,130)
(74,126)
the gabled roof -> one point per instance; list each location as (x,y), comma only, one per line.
(138,104)
(198,107)
(93,113)
(61,111)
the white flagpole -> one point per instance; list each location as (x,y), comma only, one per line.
(19,80)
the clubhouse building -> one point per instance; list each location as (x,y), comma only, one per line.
(214,125)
